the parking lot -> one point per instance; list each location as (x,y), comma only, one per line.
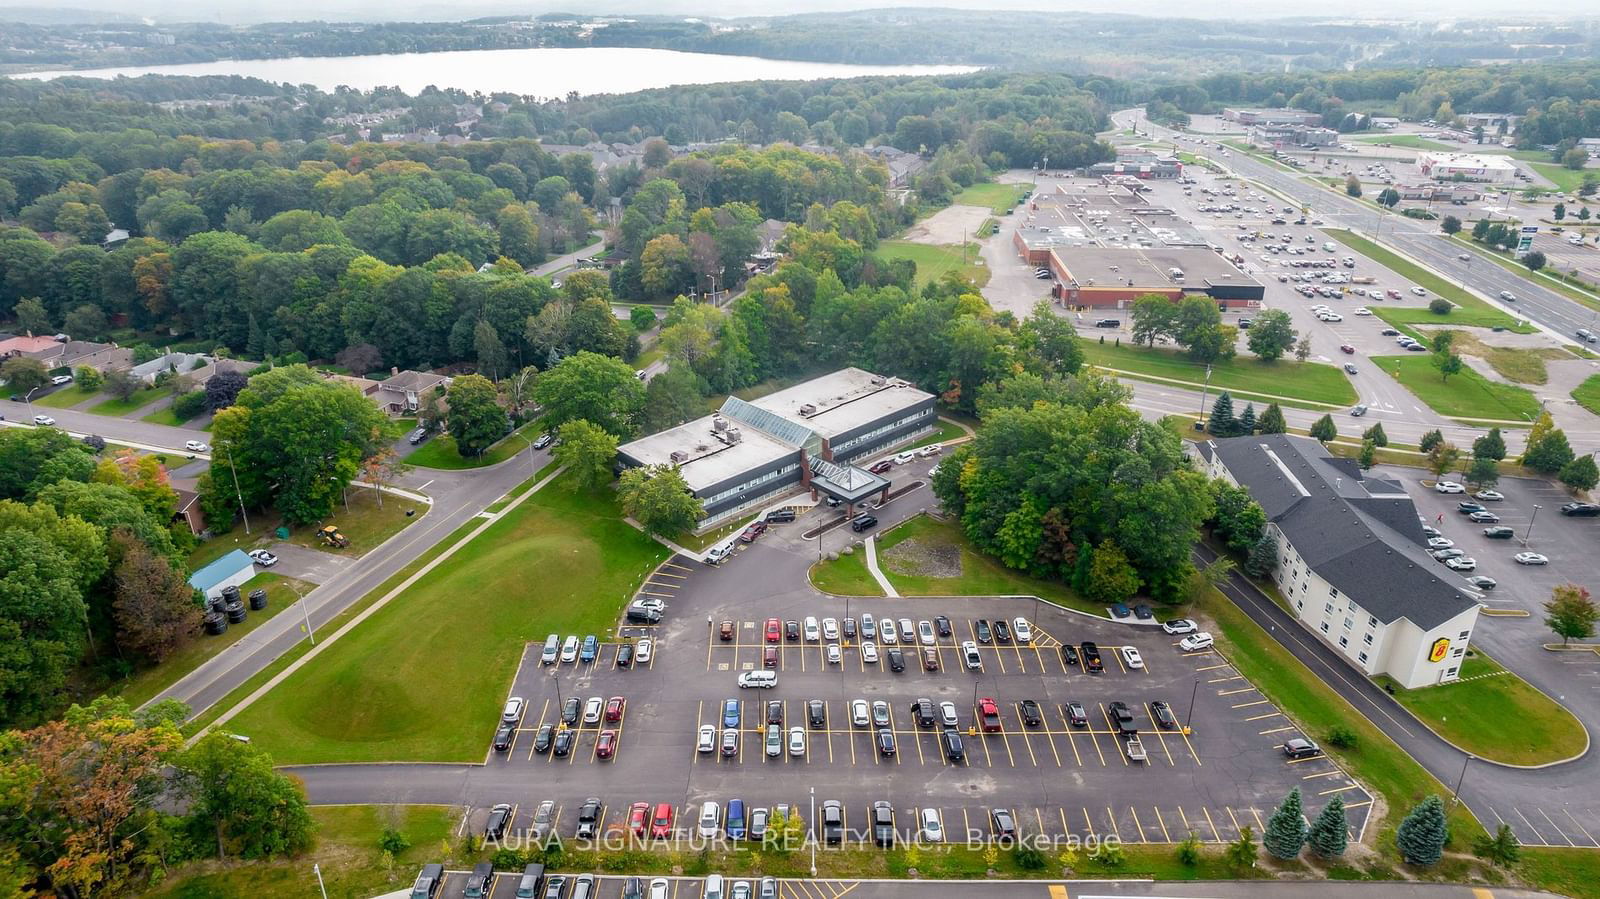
(1218,769)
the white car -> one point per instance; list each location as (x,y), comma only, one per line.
(947,714)
(708,738)
(813,630)
(1440,543)
(58,380)
(1196,642)
(1419,291)
(929,451)
(758,680)
(859,714)
(886,632)
(1531,559)
(591,710)
(569,649)
(925,634)
(1362,310)
(1508,296)
(263,558)
(659,888)
(1489,496)
(834,657)
(512,713)
(830,629)
(869,652)
(1131,657)
(797,742)
(1022,631)
(1465,563)
(932,827)
(197,446)
(970,656)
(1331,317)
(1180,626)
(710,818)
(43,421)
(643,650)
(903,458)
(1449,487)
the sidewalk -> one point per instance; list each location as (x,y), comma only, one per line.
(877,573)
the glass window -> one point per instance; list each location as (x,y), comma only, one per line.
(1324,627)
(1451,672)
(1344,641)
(1327,607)
(1372,621)
(1362,657)
(1367,639)
(1348,622)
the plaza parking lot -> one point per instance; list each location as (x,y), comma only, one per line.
(1217,769)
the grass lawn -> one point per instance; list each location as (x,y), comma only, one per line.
(999,197)
(165,417)
(703,542)
(1472,714)
(1244,376)
(141,398)
(65,398)
(1525,365)
(346,852)
(1466,395)
(1588,394)
(934,262)
(1406,140)
(1566,180)
(440,450)
(281,591)
(846,576)
(1485,315)
(945,430)
(367,524)
(563,561)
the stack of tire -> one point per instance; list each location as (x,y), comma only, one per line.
(258,599)
(216,618)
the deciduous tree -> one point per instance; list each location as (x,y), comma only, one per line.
(23,375)
(156,611)
(658,498)
(1442,458)
(1324,429)
(1580,473)
(1571,613)
(476,419)
(1490,446)
(1376,435)
(587,451)
(597,388)
(239,801)
(1271,335)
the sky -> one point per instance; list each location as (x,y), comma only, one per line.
(248,11)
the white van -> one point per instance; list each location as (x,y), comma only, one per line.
(552,650)
(1330,246)
(710,819)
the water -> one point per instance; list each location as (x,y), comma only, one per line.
(545,73)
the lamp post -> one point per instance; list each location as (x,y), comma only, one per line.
(1190,717)
(1205,420)
(238,494)
(305,615)
(1455,795)
(1529,532)
(813,834)
(28,398)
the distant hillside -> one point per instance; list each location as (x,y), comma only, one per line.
(48,15)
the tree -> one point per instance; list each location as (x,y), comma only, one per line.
(240,801)
(88,378)
(1330,833)
(358,359)
(1550,453)
(222,388)
(1202,581)
(1286,829)
(382,469)
(643,318)
(1302,349)
(1324,429)
(1352,185)
(41,623)
(1222,423)
(1534,260)
(1575,158)
(1376,435)
(587,451)
(1483,473)
(23,375)
(156,612)
(1501,849)
(597,388)
(122,385)
(32,317)
(1153,317)
(1051,339)
(1447,363)
(491,352)
(1263,556)
(1442,458)
(86,322)
(1450,225)
(1430,440)
(1272,421)
(1559,212)
(1241,853)
(1271,335)
(1368,456)
(1580,473)
(1571,613)
(1112,577)
(1239,519)
(664,267)
(1490,446)
(1247,421)
(1188,851)
(1389,197)
(659,499)
(1421,837)
(476,419)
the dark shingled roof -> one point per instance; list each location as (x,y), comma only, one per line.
(1360,534)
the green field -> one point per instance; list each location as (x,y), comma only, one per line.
(1472,712)
(66,397)
(1566,180)
(434,664)
(1466,395)
(1410,141)
(934,262)
(1243,376)
(1000,198)
(1588,394)
(365,523)
(281,592)
(141,398)
(1472,311)
(440,450)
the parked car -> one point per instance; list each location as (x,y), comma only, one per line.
(1465,563)
(1300,748)
(1581,510)
(863,522)
(1527,558)
(263,558)
(543,440)
(1076,716)
(417,436)
(1489,496)
(756,529)
(1482,582)
(707,741)
(777,516)
(1131,657)
(1484,518)
(1180,626)
(1162,713)
(1196,642)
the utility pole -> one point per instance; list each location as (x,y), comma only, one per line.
(1205,420)
(1529,532)
(237,492)
(1455,795)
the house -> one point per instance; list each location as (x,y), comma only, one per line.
(183,363)
(25,345)
(214,367)
(102,357)
(232,570)
(771,231)
(1353,565)
(188,510)
(403,392)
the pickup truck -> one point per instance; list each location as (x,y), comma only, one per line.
(989,715)
(1135,749)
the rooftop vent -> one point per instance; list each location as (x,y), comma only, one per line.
(678,457)
(734,436)
(877,380)
(718,423)
(808,409)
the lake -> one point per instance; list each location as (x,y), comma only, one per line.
(545,73)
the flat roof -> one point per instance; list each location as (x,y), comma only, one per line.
(843,400)
(709,461)
(1148,267)
(220,570)
(1469,160)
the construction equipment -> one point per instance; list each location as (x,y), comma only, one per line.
(330,536)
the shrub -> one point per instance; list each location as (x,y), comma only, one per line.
(1341,737)
(394,842)
(1440,306)
(189,405)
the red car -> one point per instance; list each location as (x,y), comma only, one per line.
(606,746)
(1347,348)
(661,824)
(638,818)
(881,467)
(989,715)
(614,708)
(755,530)
(769,657)
(773,631)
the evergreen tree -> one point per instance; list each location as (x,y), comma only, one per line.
(1330,832)
(1376,435)
(1263,557)
(1247,421)
(1368,456)
(1422,835)
(1272,421)
(1489,446)
(1430,440)
(1550,454)
(1502,848)
(1222,423)
(1286,829)
(1324,430)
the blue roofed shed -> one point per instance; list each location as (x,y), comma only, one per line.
(231,570)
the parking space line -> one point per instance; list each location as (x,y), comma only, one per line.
(1233,818)
(966,826)
(1260,717)
(1136,823)
(1530,825)
(1216,835)
(1260,828)
(1113,819)
(1361,804)
(1276,730)
(1332,773)
(1246,705)
(1038,817)
(1087,822)
(1165,837)
(1219,680)
(1065,829)
(1050,737)
(1558,829)
(1588,836)
(1211,667)
(1339,789)
(1232,692)
(1190,746)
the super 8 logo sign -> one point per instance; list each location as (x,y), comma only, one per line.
(1440,648)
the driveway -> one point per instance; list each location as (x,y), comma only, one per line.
(307,564)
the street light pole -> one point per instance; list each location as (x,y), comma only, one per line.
(239,494)
(305,615)
(1187,719)
(813,833)
(1455,795)
(1203,388)
(1529,532)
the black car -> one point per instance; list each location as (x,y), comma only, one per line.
(1005,826)
(863,522)
(1299,748)
(1389,332)
(1499,533)
(942,625)
(502,737)
(775,711)
(478,881)
(625,655)
(886,742)
(569,711)
(1143,612)
(1581,510)
(1076,716)
(953,750)
(417,436)
(499,820)
(543,739)
(588,818)
(791,631)
(563,743)
(897,660)
(1163,715)
(777,516)
(883,823)
(1031,715)
(1002,631)
(1469,508)
(848,628)
(637,615)
(981,626)
(816,713)
(1069,656)
(1092,662)
(833,822)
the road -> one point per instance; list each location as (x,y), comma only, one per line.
(456,497)
(566,261)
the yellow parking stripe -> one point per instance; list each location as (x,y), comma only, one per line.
(1165,837)
(1232,692)
(1334,773)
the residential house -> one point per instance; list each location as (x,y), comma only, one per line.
(188,510)
(183,363)
(403,392)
